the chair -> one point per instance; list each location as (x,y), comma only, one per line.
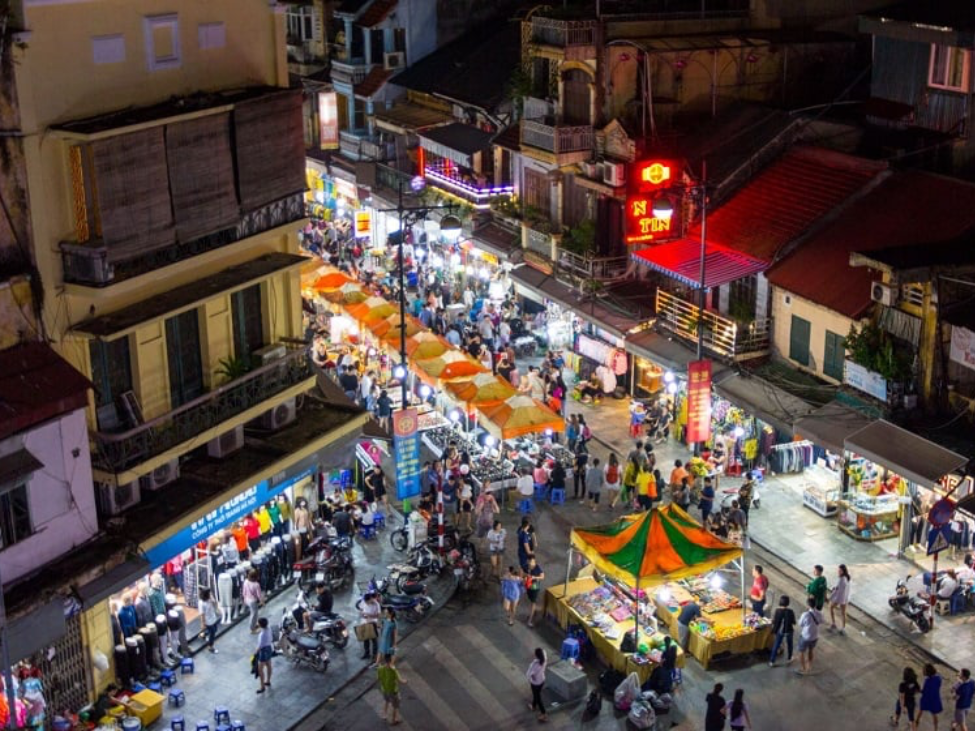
(526,506)
(570,649)
(176,697)
(155,687)
(380,520)
(186,666)
(177,724)
(221,714)
(557,496)
(202,726)
(168,678)
(367,532)
(237,726)
(541,490)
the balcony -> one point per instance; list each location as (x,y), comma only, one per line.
(577,38)
(536,240)
(578,270)
(477,193)
(349,73)
(361,146)
(121,451)
(557,139)
(722,336)
(88,264)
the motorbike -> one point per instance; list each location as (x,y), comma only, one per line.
(303,649)
(327,560)
(915,608)
(730,494)
(466,568)
(330,627)
(413,603)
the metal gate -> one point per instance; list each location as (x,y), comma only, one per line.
(64,669)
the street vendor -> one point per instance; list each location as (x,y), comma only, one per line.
(688,613)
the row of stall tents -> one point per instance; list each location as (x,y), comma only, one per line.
(497,406)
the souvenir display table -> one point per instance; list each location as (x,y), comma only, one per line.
(869,517)
(597,608)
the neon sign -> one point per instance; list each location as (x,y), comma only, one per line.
(655,173)
(641,225)
(651,175)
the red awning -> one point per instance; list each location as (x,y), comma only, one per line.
(681,260)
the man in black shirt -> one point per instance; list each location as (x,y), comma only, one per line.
(349,382)
(342,521)
(321,607)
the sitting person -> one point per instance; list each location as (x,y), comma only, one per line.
(947,585)
(351,494)
(966,574)
(590,390)
(368,516)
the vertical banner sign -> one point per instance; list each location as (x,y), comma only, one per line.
(406,449)
(328,120)
(698,401)
(363,224)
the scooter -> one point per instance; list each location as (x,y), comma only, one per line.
(303,649)
(330,626)
(730,494)
(915,608)
(413,603)
(331,562)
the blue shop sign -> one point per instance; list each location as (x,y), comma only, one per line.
(232,510)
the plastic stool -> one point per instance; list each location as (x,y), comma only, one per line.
(177,724)
(557,497)
(167,678)
(958,601)
(570,649)
(156,687)
(176,697)
(237,726)
(138,687)
(186,666)
(541,491)
(379,521)
(221,714)
(346,478)
(202,726)
(223,727)
(525,506)
(368,532)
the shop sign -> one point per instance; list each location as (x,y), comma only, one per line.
(860,378)
(232,510)
(406,447)
(328,120)
(346,189)
(642,226)
(962,346)
(698,401)
(363,223)
(594,349)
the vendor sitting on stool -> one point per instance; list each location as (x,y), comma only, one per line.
(590,391)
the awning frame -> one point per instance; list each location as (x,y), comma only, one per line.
(722,264)
(882,433)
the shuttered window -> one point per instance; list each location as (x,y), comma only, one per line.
(248,321)
(799,340)
(184,358)
(834,354)
(270,146)
(538,192)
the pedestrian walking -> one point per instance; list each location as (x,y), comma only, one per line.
(594,484)
(495,539)
(368,629)
(211,617)
(533,588)
(839,598)
(930,696)
(579,469)
(646,488)
(612,479)
(759,590)
(536,677)
(389,683)
(572,432)
(907,693)
(526,542)
(264,652)
(964,691)
(808,635)
(714,717)
(737,712)
(253,598)
(629,480)
(817,587)
(388,636)
(745,493)
(485,511)
(511,587)
(706,503)
(783,626)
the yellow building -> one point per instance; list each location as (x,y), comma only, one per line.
(165,168)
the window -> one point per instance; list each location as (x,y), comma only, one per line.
(949,67)
(741,298)
(538,192)
(111,374)
(108,49)
(377,42)
(162,42)
(15,523)
(301,25)
(834,355)
(248,321)
(184,358)
(799,341)
(211,36)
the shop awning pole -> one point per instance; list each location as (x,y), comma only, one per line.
(568,571)
(741,572)
(636,613)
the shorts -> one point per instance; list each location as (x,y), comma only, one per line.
(392,699)
(532,595)
(961,714)
(265,653)
(466,506)
(594,496)
(807,644)
(497,551)
(908,709)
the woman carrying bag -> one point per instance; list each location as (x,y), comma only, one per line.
(368,629)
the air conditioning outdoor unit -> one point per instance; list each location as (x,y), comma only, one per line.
(883,293)
(116,499)
(162,475)
(269,353)
(590,169)
(280,416)
(227,443)
(614,173)
(394,61)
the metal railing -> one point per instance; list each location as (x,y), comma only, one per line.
(538,241)
(586,268)
(350,73)
(393,179)
(562,33)
(472,191)
(557,138)
(123,450)
(88,264)
(721,336)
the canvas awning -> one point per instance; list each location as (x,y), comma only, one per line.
(456,142)
(681,260)
(773,405)
(830,425)
(912,457)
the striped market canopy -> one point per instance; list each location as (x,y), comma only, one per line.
(653,548)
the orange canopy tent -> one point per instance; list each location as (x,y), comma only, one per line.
(374,308)
(447,367)
(389,327)
(423,345)
(517,416)
(482,390)
(348,294)
(331,281)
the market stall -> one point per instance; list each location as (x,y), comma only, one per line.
(518,416)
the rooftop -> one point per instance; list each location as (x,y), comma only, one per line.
(37,385)
(907,209)
(947,14)
(376,13)
(460,137)
(372,83)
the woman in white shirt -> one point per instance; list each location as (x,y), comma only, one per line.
(495,538)
(536,677)
(839,598)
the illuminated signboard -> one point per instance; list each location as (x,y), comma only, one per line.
(363,223)
(328,120)
(642,226)
(651,175)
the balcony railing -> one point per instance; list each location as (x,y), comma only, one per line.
(349,72)
(721,336)
(538,241)
(88,264)
(579,269)
(361,146)
(563,33)
(120,451)
(558,139)
(474,193)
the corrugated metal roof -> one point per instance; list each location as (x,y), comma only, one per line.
(909,208)
(376,13)
(682,260)
(372,83)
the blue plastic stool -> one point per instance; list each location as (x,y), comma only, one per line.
(557,497)
(167,678)
(380,521)
(221,714)
(958,601)
(541,491)
(177,724)
(237,726)
(202,726)
(525,506)
(156,687)
(138,687)
(176,697)
(346,478)
(223,727)
(570,649)
(367,532)
(186,666)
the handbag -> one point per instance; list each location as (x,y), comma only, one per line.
(365,631)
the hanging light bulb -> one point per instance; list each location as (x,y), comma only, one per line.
(425,391)
(399,372)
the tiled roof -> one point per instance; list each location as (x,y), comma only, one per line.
(908,208)
(36,385)
(785,200)
(372,83)
(376,13)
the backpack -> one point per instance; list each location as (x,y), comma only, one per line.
(595,703)
(613,474)
(586,433)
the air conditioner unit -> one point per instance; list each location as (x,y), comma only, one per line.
(590,169)
(227,443)
(883,293)
(162,475)
(269,353)
(116,499)
(614,173)
(394,61)
(280,416)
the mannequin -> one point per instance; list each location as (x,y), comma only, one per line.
(157,597)
(127,617)
(284,507)
(162,630)
(143,609)
(117,636)
(225,593)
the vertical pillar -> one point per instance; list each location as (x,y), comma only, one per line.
(928,344)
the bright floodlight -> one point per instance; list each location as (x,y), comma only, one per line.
(399,372)
(663,208)
(668,377)
(425,391)
(450,228)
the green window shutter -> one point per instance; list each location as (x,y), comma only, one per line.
(835,353)
(799,340)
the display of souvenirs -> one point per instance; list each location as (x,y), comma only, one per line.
(720,602)
(754,621)
(710,600)
(605,606)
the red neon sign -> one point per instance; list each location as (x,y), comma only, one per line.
(641,225)
(650,175)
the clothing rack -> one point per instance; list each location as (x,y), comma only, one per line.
(791,457)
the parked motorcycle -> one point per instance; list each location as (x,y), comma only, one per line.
(915,608)
(413,603)
(330,561)
(303,649)
(330,626)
